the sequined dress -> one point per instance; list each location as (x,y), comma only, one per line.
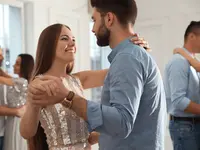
(63,128)
(16,97)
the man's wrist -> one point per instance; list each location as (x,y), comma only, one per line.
(33,106)
(76,99)
(78,104)
(67,101)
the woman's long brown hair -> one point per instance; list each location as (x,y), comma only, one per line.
(45,55)
(27,65)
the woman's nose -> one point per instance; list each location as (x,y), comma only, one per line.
(72,42)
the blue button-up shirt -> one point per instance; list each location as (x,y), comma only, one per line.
(181,83)
(132,110)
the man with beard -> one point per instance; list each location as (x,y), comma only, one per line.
(131,114)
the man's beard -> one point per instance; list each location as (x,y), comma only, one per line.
(103,36)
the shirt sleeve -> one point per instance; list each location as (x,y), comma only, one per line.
(178,74)
(126,87)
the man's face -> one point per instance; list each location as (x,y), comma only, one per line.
(100,30)
(1,57)
(197,43)
(194,39)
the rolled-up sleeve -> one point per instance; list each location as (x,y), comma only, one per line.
(126,86)
(178,73)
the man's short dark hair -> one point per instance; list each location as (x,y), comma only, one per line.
(125,10)
(193,27)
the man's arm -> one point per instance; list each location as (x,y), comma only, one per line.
(6,81)
(178,74)
(126,86)
(6,111)
(2,73)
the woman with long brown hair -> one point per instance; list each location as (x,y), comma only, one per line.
(16,99)
(56,127)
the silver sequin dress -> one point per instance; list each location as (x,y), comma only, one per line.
(63,128)
(16,97)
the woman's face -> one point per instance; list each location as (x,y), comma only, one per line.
(17,65)
(65,50)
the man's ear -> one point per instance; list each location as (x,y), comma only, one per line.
(109,19)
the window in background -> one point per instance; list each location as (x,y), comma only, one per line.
(98,61)
(10,35)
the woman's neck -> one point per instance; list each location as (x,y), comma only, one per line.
(57,69)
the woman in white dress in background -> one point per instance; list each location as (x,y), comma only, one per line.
(16,98)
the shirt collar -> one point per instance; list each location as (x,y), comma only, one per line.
(118,48)
(192,55)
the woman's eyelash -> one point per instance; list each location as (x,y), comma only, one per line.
(67,39)
(64,39)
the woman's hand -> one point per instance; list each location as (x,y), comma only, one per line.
(179,51)
(141,42)
(93,138)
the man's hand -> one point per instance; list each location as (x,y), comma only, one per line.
(4,74)
(47,90)
(141,42)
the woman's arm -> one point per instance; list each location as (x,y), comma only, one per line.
(193,62)
(2,73)
(30,120)
(91,79)
(6,81)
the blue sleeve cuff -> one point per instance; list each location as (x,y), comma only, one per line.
(183,104)
(94,115)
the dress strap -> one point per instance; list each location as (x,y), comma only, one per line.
(77,81)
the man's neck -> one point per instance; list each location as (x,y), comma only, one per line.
(190,48)
(120,35)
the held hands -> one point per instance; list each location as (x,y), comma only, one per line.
(46,90)
(20,111)
(141,42)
